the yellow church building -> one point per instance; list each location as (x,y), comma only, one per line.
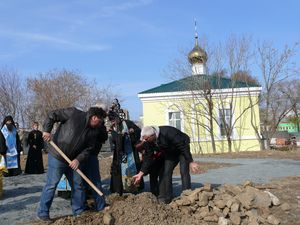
(218,113)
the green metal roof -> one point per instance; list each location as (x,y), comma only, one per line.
(198,82)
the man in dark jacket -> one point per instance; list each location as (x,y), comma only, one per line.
(175,146)
(91,169)
(75,136)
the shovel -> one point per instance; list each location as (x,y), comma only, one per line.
(78,170)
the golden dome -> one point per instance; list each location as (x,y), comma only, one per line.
(197,55)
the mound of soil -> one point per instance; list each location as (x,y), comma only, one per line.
(138,209)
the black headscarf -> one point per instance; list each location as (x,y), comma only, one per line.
(8,118)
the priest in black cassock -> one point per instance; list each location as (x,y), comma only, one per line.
(34,163)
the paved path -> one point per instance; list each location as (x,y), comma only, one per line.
(22,193)
(255,170)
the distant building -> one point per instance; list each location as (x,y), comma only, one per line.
(289,127)
(182,104)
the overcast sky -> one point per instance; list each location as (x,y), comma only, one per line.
(126,43)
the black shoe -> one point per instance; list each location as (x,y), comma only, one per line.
(164,201)
(44,218)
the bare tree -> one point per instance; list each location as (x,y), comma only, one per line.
(291,90)
(275,66)
(237,55)
(244,76)
(63,88)
(104,95)
(12,95)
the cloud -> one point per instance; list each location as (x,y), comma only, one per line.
(37,37)
(108,11)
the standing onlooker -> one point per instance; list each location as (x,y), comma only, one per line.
(11,146)
(34,163)
(76,137)
(126,161)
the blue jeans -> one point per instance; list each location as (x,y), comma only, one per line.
(91,170)
(56,169)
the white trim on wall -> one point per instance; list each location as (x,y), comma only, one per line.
(233,139)
(253,91)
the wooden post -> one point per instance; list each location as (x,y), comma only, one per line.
(78,170)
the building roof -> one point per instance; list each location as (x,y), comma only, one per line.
(198,82)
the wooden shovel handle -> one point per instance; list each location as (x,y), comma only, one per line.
(78,170)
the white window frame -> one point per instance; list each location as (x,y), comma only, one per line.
(172,110)
(173,120)
(220,121)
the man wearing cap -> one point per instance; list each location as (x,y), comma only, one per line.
(175,146)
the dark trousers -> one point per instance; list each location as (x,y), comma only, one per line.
(91,169)
(155,175)
(165,184)
(185,173)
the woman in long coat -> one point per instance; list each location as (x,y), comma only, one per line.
(34,163)
(126,162)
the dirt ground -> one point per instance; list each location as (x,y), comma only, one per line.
(145,209)
(288,191)
(105,165)
(295,154)
(105,162)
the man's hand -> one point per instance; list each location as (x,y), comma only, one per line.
(34,146)
(194,167)
(74,164)
(140,146)
(46,136)
(137,178)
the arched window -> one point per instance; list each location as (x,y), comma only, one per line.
(175,117)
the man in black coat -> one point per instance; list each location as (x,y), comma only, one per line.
(175,146)
(91,169)
(75,136)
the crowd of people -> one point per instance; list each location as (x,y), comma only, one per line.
(154,150)
(11,148)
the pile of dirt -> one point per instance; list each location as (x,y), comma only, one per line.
(230,204)
(143,209)
(129,209)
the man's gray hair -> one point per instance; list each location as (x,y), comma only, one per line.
(147,131)
(150,130)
